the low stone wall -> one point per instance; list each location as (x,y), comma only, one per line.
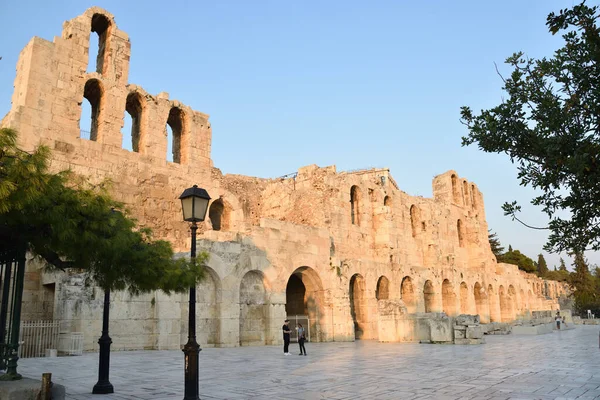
(398,326)
(539,329)
(497,328)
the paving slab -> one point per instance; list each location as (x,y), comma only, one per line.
(563,364)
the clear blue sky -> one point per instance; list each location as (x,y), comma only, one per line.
(356,84)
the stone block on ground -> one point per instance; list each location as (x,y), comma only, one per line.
(28,389)
(474,332)
(441,330)
(467,319)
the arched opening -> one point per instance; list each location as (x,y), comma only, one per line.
(175,128)
(461,233)
(504,305)
(429,297)
(93,93)
(358,306)
(512,302)
(207,311)
(473,197)
(415,217)
(455,190)
(481,303)
(133,108)
(466,193)
(254,309)
(407,293)
(355,205)
(100,25)
(530,300)
(304,297)
(464,298)
(522,306)
(448,298)
(387,201)
(219,214)
(383,289)
(495,315)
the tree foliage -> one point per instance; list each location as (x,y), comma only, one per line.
(497,248)
(586,294)
(549,125)
(519,259)
(72,224)
(542,267)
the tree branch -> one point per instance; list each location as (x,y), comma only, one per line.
(529,226)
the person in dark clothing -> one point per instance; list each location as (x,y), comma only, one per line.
(301,339)
(286,337)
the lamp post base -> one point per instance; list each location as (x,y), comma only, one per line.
(191,352)
(103,388)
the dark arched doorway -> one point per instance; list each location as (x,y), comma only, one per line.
(304,297)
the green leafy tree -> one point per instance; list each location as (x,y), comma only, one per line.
(549,125)
(542,267)
(586,295)
(72,224)
(519,259)
(562,266)
(497,248)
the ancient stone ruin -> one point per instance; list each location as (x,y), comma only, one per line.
(347,251)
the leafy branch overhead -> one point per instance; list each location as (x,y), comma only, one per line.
(72,224)
(549,126)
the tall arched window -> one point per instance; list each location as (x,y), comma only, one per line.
(461,234)
(455,189)
(134,108)
(215,213)
(415,216)
(355,205)
(92,92)
(473,197)
(100,25)
(175,128)
(466,193)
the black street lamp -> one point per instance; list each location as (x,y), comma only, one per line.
(103,386)
(194,203)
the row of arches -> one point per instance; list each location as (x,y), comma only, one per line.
(305,296)
(135,114)
(417,224)
(503,307)
(462,194)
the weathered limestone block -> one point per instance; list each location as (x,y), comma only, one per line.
(467,319)
(538,329)
(498,328)
(460,333)
(393,324)
(474,332)
(441,330)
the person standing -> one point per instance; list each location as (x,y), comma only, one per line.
(301,339)
(558,320)
(286,337)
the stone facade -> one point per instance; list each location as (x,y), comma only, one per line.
(349,250)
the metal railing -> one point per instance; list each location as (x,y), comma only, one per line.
(37,336)
(70,344)
(294,320)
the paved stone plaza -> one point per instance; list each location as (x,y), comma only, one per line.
(561,365)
